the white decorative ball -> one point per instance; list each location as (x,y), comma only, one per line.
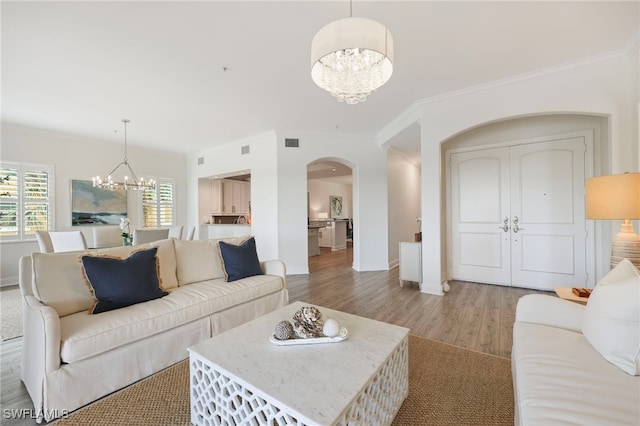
(331,328)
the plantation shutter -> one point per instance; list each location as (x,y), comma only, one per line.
(9,196)
(158,205)
(25,199)
(36,201)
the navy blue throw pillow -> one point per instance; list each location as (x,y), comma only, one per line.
(117,283)
(240,261)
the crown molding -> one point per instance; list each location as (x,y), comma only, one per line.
(413,113)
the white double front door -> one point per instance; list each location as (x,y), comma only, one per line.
(517,214)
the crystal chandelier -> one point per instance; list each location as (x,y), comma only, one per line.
(352,57)
(129,182)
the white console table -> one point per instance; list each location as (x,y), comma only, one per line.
(410,262)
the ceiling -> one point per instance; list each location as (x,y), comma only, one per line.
(193,75)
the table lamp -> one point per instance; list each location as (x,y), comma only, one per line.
(617,197)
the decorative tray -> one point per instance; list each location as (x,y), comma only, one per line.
(343,334)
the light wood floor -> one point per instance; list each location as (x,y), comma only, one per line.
(475,316)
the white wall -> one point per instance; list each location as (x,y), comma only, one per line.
(319,193)
(368,162)
(262,163)
(279,192)
(600,88)
(76,157)
(404,202)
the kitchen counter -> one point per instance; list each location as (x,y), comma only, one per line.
(221,230)
(313,240)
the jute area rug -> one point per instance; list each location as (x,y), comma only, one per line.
(10,314)
(448,385)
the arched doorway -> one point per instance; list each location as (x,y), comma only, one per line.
(330,209)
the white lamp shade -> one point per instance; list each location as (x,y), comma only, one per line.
(613,197)
(352,57)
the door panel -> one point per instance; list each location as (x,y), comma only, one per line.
(554,254)
(483,250)
(480,183)
(547,197)
(546,180)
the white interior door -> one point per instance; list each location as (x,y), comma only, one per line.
(548,227)
(517,215)
(480,242)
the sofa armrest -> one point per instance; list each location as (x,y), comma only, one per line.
(550,310)
(274,267)
(40,353)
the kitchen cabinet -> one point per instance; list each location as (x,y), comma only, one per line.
(313,242)
(332,233)
(216,196)
(236,197)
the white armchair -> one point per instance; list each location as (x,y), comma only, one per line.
(176,232)
(67,241)
(190,233)
(44,242)
(107,236)
(141,236)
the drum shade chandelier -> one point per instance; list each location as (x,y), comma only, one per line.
(130,181)
(352,57)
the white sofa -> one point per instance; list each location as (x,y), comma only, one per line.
(578,365)
(71,358)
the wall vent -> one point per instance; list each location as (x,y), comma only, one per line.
(292,143)
(244,150)
(200,161)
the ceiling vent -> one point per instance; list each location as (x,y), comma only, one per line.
(200,161)
(291,143)
(244,150)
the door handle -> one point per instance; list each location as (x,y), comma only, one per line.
(505,227)
(516,228)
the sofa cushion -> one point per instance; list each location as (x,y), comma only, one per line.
(59,281)
(199,260)
(559,379)
(83,336)
(166,256)
(611,321)
(116,283)
(240,261)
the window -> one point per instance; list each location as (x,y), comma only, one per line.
(26,202)
(158,208)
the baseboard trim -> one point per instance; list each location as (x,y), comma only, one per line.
(8,281)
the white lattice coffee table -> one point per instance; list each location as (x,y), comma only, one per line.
(239,377)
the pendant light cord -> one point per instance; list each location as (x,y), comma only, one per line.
(125,121)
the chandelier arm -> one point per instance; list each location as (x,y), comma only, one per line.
(133,174)
(116,168)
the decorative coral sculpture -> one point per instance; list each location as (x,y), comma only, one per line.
(307,322)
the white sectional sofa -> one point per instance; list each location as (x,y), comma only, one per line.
(579,365)
(71,358)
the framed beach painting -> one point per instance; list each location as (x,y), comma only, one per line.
(96,206)
(335,202)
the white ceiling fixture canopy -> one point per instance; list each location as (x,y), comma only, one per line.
(352,57)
